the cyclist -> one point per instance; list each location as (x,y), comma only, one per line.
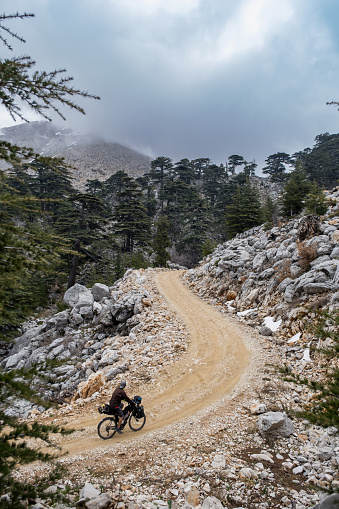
(118,396)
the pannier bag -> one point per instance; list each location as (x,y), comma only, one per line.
(139,410)
(105,409)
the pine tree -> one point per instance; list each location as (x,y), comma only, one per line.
(315,202)
(276,166)
(27,250)
(130,215)
(295,191)
(161,242)
(270,212)
(245,210)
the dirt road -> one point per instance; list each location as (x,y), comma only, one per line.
(213,364)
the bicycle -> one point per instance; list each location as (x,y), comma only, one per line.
(135,416)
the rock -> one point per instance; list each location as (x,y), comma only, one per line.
(247,473)
(212,503)
(75,318)
(93,384)
(274,425)
(100,291)
(78,295)
(113,372)
(219,462)
(262,457)
(58,321)
(108,357)
(258,408)
(329,502)
(191,495)
(100,502)
(325,453)
(265,331)
(231,295)
(89,491)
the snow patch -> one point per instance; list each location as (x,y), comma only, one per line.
(271,324)
(294,338)
(246,312)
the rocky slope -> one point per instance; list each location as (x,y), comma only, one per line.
(92,157)
(248,451)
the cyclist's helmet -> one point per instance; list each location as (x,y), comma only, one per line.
(122,384)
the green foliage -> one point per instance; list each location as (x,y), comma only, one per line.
(321,162)
(13,447)
(315,202)
(324,408)
(208,247)
(161,242)
(245,211)
(131,219)
(276,166)
(295,191)
(269,213)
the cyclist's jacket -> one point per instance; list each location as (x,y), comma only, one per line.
(117,396)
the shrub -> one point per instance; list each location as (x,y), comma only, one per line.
(307,254)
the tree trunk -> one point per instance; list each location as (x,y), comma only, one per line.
(73,271)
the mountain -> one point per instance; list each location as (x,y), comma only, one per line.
(91,156)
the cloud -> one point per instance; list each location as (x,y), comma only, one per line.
(196,77)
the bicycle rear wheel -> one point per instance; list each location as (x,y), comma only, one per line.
(107,428)
(136,424)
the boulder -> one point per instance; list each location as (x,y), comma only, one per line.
(329,502)
(93,384)
(275,425)
(100,291)
(108,357)
(78,296)
(58,321)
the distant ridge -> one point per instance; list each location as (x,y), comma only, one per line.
(92,157)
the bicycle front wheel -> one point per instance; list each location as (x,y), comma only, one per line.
(136,424)
(107,428)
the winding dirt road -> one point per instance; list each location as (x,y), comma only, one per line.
(212,366)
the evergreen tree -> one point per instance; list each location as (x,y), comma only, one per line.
(161,242)
(213,178)
(233,162)
(245,211)
(276,166)
(79,220)
(270,212)
(14,450)
(315,202)
(194,231)
(95,187)
(295,191)
(132,221)
(26,250)
(160,167)
(249,169)
(322,162)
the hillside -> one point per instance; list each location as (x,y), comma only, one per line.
(92,157)
(220,425)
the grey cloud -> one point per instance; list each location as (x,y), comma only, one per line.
(164,92)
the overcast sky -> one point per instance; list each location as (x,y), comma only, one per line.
(193,78)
